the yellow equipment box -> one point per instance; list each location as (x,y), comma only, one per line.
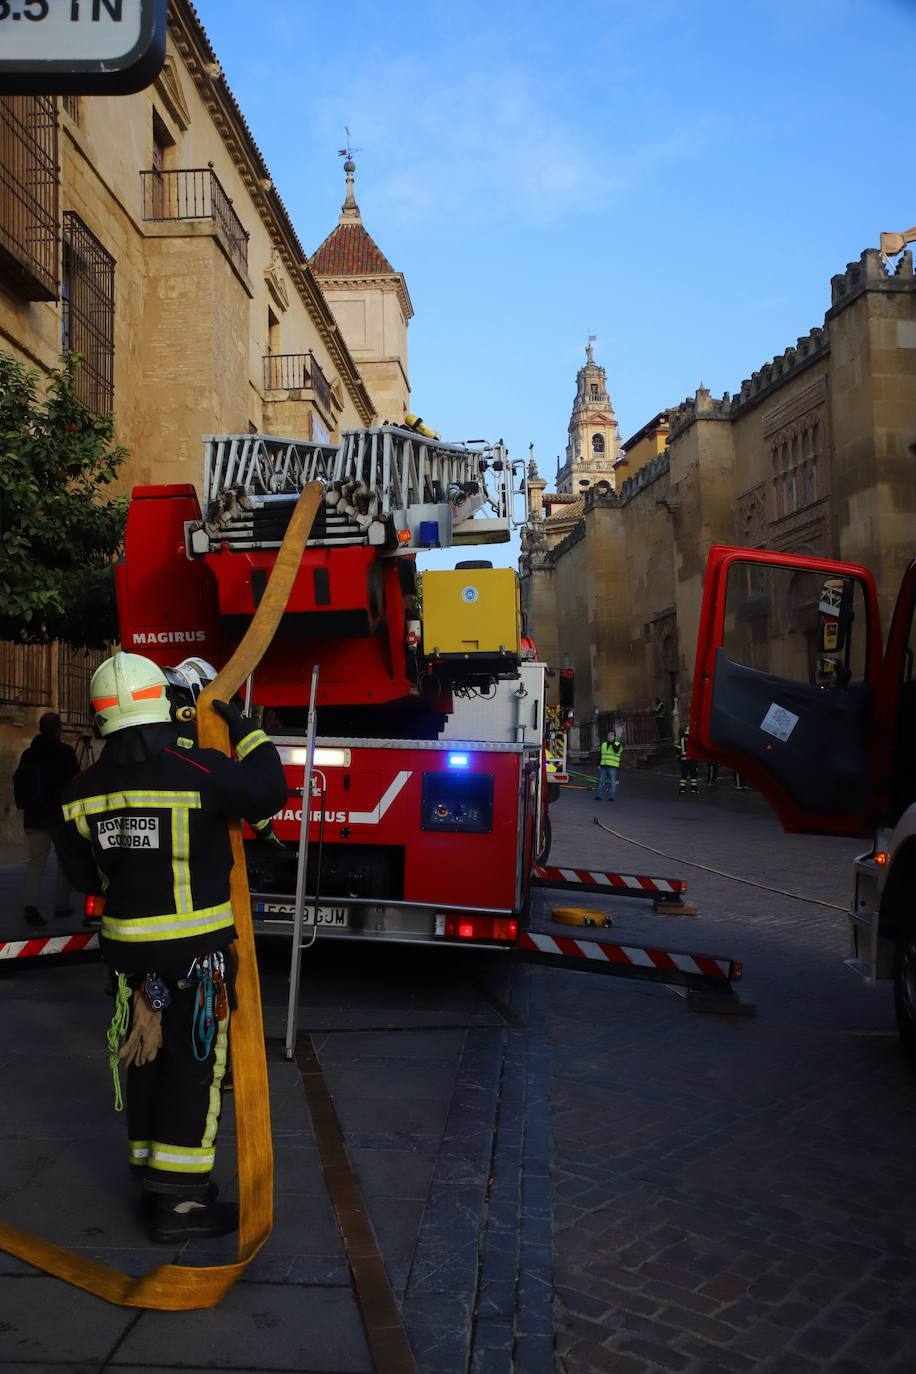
(471,613)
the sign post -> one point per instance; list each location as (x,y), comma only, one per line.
(80,47)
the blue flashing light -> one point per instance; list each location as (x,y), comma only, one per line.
(459,760)
(428,534)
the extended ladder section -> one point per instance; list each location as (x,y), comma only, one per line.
(388,487)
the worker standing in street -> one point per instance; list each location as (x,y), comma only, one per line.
(44,770)
(689,767)
(148,826)
(660,718)
(609,767)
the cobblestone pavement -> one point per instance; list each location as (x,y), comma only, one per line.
(730,1194)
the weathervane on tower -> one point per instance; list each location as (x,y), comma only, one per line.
(349,209)
(589,351)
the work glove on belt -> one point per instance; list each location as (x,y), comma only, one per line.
(145,1039)
(239,725)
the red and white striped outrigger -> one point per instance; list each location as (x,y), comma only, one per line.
(667,890)
(637,961)
(49,944)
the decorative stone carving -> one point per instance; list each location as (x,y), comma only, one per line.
(276,283)
(752,517)
(168,88)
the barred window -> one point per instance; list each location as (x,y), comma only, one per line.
(29,175)
(87,299)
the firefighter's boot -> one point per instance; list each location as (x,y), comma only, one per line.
(694,789)
(682,787)
(175,1219)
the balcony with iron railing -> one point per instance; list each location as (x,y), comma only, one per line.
(298,372)
(195,194)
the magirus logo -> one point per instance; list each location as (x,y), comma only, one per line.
(169,636)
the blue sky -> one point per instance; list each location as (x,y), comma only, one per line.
(681,179)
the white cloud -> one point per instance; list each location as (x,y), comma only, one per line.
(488,142)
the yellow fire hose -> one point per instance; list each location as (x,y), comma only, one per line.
(174,1287)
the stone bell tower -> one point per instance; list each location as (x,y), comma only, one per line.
(594,438)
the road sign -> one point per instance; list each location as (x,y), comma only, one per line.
(91,47)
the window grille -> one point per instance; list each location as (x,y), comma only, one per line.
(73,107)
(87,292)
(74,673)
(29,174)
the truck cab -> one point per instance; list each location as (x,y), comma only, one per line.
(795,688)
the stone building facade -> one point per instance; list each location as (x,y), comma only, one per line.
(814,454)
(145,232)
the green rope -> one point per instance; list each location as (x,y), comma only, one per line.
(116,1033)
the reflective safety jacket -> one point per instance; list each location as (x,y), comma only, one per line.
(610,754)
(152,836)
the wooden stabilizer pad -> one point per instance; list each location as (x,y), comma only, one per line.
(581,916)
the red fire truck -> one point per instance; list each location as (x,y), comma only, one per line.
(793,689)
(428,797)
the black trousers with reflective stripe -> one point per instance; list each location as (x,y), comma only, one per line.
(173,1103)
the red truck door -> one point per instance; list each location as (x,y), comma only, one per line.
(788,685)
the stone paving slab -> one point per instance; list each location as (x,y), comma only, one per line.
(278,1327)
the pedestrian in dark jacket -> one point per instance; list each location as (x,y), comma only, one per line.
(44,770)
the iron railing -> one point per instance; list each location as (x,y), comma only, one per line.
(196,193)
(74,673)
(29,175)
(639,729)
(87,305)
(26,674)
(27,678)
(295,372)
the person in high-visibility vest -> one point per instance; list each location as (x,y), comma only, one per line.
(660,713)
(148,825)
(609,767)
(689,767)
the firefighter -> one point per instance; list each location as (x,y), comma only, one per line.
(689,767)
(609,766)
(186,682)
(150,822)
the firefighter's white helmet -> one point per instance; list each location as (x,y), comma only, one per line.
(197,673)
(128,689)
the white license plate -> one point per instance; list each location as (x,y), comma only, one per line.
(327,915)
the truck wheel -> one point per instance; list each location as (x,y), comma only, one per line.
(905,991)
(543,853)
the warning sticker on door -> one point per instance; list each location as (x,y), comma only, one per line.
(779,722)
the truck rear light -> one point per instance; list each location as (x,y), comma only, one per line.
(477,927)
(93,907)
(880,857)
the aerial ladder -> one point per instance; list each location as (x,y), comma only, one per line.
(389,488)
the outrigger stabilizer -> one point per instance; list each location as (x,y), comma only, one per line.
(708,978)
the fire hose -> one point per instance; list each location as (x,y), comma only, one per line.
(174,1287)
